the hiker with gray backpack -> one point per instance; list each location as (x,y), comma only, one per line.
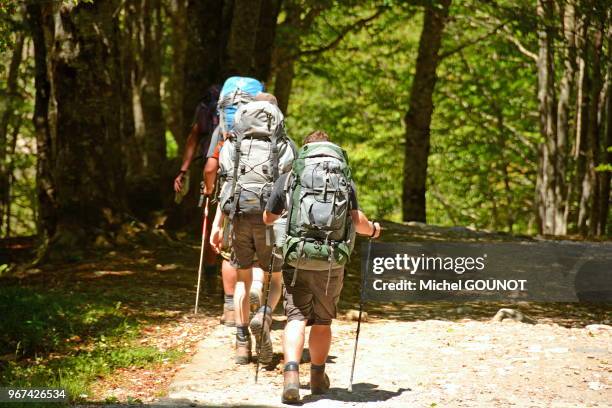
(318,202)
(236,91)
(256,153)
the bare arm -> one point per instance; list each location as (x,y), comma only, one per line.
(269,218)
(210,174)
(190,148)
(364,226)
(216,233)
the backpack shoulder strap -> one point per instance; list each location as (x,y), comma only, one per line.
(289,190)
(274,139)
(238,136)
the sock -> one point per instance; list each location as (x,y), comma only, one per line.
(228,301)
(242,333)
(267,309)
(315,367)
(292,366)
(256,286)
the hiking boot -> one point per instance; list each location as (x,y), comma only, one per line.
(243,350)
(255,299)
(265,351)
(228,317)
(319,381)
(291,384)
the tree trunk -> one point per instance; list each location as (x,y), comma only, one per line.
(264,42)
(84,120)
(563,116)
(548,206)
(596,129)
(590,188)
(583,102)
(418,117)
(286,46)
(10,173)
(604,197)
(177,15)
(205,44)
(5,119)
(39,24)
(241,44)
(146,87)
(282,85)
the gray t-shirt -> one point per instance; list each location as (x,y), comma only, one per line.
(214,141)
(278,197)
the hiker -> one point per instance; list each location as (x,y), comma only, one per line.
(204,125)
(321,220)
(256,152)
(229,103)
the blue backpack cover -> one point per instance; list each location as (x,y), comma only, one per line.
(236,92)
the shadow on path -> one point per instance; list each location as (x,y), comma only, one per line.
(362,392)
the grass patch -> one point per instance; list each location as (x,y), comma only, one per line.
(68,340)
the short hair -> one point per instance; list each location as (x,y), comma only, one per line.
(317,136)
(267,97)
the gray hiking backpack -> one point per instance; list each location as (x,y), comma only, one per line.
(254,156)
(320,233)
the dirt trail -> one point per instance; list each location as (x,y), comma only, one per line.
(429,363)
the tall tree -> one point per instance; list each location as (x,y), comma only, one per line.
(564,113)
(148,147)
(47,218)
(242,41)
(418,118)
(264,41)
(548,175)
(83,146)
(6,117)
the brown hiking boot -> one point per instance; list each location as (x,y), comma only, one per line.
(243,351)
(291,384)
(227,318)
(257,325)
(319,381)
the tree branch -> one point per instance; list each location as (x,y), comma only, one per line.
(520,46)
(359,24)
(471,42)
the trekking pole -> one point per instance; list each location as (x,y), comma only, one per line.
(195,311)
(263,326)
(363,282)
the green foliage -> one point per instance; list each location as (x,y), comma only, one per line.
(357,93)
(483,136)
(171,146)
(39,322)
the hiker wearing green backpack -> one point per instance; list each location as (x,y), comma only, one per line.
(256,153)
(321,216)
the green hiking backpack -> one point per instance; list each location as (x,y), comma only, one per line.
(320,233)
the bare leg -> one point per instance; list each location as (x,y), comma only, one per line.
(319,343)
(293,340)
(230,275)
(241,298)
(276,287)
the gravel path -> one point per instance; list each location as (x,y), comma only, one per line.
(428,363)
